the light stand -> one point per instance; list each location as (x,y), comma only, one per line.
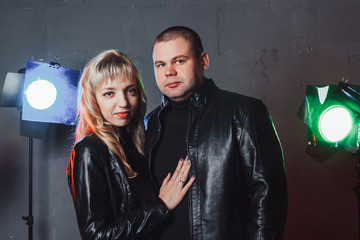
(31,130)
(357,186)
(30,219)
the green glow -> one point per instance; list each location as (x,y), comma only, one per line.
(335,123)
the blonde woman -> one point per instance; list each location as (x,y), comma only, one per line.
(113,195)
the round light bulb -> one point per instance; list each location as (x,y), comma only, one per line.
(41,94)
(335,123)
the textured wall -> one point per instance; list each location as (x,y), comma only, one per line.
(269,49)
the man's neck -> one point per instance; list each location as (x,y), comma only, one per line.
(198,88)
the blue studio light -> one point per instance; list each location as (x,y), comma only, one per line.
(49,93)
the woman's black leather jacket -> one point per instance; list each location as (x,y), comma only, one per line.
(108,204)
(240,190)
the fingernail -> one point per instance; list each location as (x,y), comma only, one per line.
(187,158)
(193,176)
(181,159)
(188,162)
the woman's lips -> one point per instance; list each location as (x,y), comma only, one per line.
(122,114)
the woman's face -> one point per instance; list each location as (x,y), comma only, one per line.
(118,100)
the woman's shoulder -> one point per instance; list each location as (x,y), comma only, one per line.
(91,143)
(90,139)
(90,153)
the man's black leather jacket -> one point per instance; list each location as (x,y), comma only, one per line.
(240,190)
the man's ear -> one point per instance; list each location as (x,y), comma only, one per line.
(204,58)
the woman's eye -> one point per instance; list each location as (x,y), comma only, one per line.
(108,94)
(132,91)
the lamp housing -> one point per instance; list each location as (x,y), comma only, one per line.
(332,115)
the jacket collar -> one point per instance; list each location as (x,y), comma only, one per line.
(200,96)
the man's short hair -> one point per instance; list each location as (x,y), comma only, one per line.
(180,31)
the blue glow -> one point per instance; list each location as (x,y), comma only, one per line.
(42,106)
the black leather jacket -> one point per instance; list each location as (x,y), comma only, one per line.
(240,190)
(108,204)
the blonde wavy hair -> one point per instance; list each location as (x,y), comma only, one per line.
(104,67)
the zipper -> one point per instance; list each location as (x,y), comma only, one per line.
(188,153)
(157,139)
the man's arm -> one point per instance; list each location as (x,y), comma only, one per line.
(263,164)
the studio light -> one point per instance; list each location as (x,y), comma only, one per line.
(332,116)
(50,93)
(44,93)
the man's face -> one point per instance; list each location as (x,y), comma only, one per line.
(178,72)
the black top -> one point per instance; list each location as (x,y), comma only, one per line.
(143,191)
(169,149)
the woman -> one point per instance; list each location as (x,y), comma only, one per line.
(107,174)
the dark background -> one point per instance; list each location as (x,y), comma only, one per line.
(269,49)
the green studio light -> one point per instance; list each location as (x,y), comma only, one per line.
(332,115)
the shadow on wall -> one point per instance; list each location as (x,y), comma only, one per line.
(10,174)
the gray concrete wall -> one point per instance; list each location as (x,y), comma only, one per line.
(269,49)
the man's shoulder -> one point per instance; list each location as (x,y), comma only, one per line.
(153,112)
(237,99)
(150,116)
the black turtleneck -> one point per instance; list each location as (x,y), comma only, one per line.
(169,149)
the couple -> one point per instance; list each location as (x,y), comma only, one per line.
(229,182)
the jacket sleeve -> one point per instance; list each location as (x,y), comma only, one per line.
(264,167)
(90,191)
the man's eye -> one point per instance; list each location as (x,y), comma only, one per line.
(179,61)
(160,65)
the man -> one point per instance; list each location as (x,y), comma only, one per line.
(240,189)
